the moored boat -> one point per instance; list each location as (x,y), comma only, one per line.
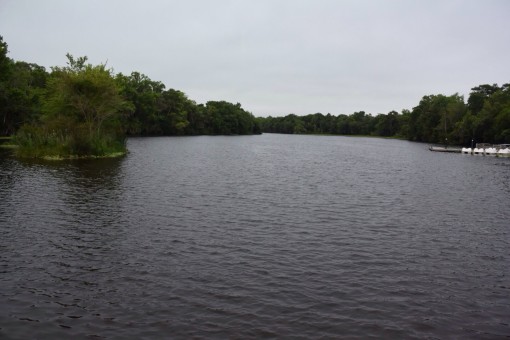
(498,150)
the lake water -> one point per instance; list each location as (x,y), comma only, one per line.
(271,236)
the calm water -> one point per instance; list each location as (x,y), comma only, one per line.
(268,236)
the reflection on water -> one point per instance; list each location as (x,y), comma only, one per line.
(61,221)
(256,236)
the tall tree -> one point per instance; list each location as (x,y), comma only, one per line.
(492,124)
(478,96)
(5,74)
(84,93)
(387,125)
(174,107)
(82,110)
(435,117)
(21,90)
(144,94)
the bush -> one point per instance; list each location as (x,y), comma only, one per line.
(65,141)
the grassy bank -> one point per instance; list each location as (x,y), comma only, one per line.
(8,146)
(5,140)
(76,157)
(66,143)
(52,156)
(57,154)
(6,143)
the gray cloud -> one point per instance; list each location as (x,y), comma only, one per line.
(277,56)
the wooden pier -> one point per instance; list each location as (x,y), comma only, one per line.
(445,149)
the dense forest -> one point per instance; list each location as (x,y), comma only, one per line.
(82,109)
(436,119)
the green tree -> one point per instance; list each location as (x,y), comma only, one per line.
(174,107)
(82,110)
(342,125)
(387,125)
(435,118)
(144,95)
(359,123)
(5,75)
(492,124)
(21,89)
(226,118)
(478,96)
(85,93)
(26,91)
(404,124)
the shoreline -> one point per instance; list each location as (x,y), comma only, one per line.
(77,157)
(336,135)
(53,158)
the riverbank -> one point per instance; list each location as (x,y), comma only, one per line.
(77,157)
(5,143)
(338,135)
(4,139)
(74,157)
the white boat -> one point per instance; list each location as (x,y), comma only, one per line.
(491,151)
(500,150)
(503,150)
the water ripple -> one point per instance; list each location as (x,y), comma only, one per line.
(259,236)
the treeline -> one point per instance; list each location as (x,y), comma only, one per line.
(31,95)
(436,119)
(87,109)
(157,111)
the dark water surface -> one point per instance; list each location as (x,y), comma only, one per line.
(268,236)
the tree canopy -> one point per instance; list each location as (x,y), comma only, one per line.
(437,118)
(87,109)
(81,114)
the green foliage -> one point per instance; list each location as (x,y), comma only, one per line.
(226,118)
(82,111)
(173,111)
(479,95)
(437,118)
(21,89)
(170,112)
(88,94)
(85,109)
(63,139)
(5,61)
(143,94)
(492,123)
(387,125)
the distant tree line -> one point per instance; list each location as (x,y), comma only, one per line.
(87,109)
(437,119)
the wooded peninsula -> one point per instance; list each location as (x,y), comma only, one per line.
(84,110)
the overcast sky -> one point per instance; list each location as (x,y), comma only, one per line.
(277,57)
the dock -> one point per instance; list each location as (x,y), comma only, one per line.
(445,149)
(498,150)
